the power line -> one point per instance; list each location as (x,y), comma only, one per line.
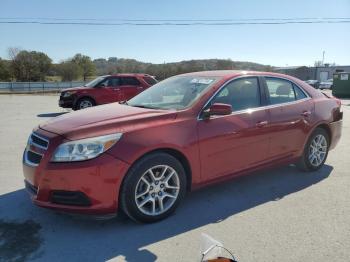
(146,23)
(175,20)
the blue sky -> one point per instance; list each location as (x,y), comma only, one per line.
(279,45)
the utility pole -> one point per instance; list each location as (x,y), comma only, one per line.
(323,57)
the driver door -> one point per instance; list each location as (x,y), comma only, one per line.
(235,142)
(110,91)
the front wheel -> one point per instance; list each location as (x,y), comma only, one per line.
(153,188)
(315,151)
(84,103)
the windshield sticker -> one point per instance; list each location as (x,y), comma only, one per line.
(203,81)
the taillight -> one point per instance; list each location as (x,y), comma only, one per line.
(338,101)
(338,114)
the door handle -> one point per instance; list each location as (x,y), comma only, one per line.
(139,87)
(306,113)
(116,89)
(261,124)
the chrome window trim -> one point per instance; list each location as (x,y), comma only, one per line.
(251,110)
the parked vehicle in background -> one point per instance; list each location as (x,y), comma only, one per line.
(313,83)
(185,132)
(328,84)
(105,89)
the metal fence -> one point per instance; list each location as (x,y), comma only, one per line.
(37,86)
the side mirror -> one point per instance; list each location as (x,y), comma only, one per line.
(217,109)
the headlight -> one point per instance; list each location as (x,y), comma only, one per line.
(68,93)
(84,149)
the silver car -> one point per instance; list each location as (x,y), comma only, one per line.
(328,84)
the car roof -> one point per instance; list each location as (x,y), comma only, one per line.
(234,73)
(129,74)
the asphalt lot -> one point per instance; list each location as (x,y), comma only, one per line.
(275,215)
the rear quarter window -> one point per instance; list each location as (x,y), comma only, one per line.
(299,94)
(150,80)
(130,81)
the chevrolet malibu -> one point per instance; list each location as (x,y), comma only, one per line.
(185,132)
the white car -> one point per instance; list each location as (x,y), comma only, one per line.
(328,84)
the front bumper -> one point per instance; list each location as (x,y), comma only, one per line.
(90,187)
(67,102)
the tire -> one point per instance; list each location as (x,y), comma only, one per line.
(83,103)
(315,152)
(141,197)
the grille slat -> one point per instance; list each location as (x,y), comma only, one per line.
(35,149)
(33,157)
(39,141)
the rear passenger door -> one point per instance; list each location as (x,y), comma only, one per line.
(130,87)
(290,110)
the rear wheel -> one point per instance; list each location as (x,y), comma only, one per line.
(153,188)
(84,103)
(315,151)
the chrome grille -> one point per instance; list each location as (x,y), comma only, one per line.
(39,141)
(35,150)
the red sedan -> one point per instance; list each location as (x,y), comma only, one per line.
(185,132)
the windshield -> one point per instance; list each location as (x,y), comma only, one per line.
(177,93)
(94,82)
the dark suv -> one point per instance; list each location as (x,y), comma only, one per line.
(105,89)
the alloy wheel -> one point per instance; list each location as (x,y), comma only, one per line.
(85,104)
(318,150)
(157,190)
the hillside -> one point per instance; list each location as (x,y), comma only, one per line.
(161,71)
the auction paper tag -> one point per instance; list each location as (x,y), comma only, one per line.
(204,81)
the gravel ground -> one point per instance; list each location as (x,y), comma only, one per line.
(275,215)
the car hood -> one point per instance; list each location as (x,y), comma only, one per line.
(105,119)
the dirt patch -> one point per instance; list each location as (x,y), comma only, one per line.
(19,240)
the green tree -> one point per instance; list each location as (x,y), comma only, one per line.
(30,65)
(86,65)
(5,73)
(68,70)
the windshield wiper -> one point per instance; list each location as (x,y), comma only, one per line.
(143,106)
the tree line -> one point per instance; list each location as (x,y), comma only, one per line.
(24,65)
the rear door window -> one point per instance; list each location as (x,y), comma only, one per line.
(279,91)
(299,94)
(130,81)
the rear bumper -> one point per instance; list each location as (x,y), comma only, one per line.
(336,131)
(89,187)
